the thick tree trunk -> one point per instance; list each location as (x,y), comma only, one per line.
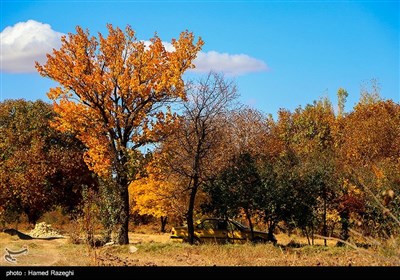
(163,223)
(189,215)
(33,216)
(123,226)
(271,236)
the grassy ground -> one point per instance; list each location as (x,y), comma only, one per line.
(160,250)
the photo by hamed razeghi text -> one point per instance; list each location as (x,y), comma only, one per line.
(47,272)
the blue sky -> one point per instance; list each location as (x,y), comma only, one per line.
(281,54)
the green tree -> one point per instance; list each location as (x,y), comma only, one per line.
(306,164)
(342,95)
(238,187)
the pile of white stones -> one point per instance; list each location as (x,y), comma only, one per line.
(44,230)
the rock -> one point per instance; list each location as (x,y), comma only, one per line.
(132,249)
(43,230)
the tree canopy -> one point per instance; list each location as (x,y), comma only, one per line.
(114,93)
(40,167)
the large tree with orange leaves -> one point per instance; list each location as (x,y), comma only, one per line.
(113,93)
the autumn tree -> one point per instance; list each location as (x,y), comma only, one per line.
(236,188)
(288,199)
(157,193)
(246,185)
(40,167)
(253,133)
(314,145)
(305,166)
(370,92)
(369,154)
(151,197)
(194,150)
(113,94)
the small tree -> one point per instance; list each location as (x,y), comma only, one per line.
(156,195)
(240,186)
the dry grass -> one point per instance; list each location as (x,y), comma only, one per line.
(181,254)
(57,252)
(159,250)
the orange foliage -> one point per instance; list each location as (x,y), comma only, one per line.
(112,89)
(39,166)
(371,134)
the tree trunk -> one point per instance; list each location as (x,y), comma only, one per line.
(271,236)
(123,226)
(163,222)
(33,217)
(324,230)
(189,215)
(345,221)
(312,234)
(248,216)
(305,232)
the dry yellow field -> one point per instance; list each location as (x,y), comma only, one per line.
(160,250)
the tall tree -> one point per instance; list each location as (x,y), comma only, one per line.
(314,143)
(306,163)
(250,174)
(194,150)
(113,94)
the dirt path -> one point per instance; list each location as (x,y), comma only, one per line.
(59,252)
(40,252)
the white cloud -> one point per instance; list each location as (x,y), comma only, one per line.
(230,64)
(168,46)
(24,43)
(30,41)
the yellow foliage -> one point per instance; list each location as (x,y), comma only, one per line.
(151,196)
